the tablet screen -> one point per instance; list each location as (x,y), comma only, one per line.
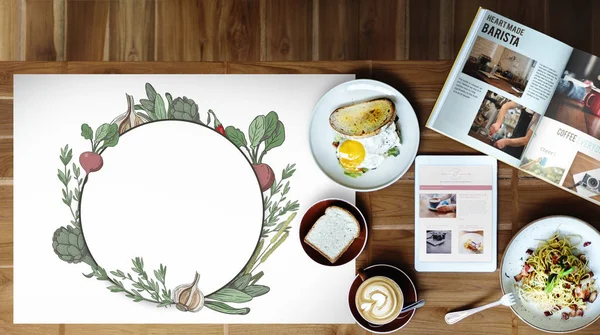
(455,213)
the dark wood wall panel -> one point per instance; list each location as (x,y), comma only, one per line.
(271,30)
(87,30)
(131,36)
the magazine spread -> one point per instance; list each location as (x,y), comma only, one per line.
(527,99)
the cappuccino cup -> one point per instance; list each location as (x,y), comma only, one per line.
(379,299)
(434,202)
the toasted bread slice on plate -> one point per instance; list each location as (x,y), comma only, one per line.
(333,233)
(363,119)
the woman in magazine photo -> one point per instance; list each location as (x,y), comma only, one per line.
(515,143)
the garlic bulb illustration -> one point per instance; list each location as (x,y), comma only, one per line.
(188,297)
(130,118)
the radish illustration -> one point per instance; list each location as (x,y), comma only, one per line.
(90,162)
(265,133)
(107,136)
(266,176)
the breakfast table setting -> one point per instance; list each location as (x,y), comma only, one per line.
(245,197)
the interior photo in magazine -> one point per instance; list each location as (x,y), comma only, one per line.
(576,101)
(498,66)
(504,124)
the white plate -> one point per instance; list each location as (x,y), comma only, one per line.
(321,134)
(513,260)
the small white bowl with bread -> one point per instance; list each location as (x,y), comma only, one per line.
(364,134)
(333,232)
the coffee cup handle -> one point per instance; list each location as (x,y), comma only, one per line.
(587,100)
(362,274)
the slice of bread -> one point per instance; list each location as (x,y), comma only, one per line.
(333,233)
(363,119)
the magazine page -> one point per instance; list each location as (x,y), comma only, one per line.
(499,86)
(565,149)
(455,213)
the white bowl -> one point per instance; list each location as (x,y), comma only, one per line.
(321,135)
(529,238)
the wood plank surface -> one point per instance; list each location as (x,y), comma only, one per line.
(259,30)
(390,211)
(288,39)
(131,36)
(87,30)
(6,224)
(239,31)
(382,24)
(39,31)
(336,30)
(9,33)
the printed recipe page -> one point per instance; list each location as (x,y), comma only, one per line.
(455,213)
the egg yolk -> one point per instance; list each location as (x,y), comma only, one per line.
(351,154)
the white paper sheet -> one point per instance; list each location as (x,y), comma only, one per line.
(48,113)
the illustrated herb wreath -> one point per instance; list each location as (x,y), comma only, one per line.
(265,133)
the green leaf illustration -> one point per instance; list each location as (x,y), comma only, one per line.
(276,139)
(256,277)
(256,290)
(256,131)
(236,136)
(230,295)
(242,282)
(150,92)
(224,308)
(270,124)
(86,131)
(101,132)
(159,108)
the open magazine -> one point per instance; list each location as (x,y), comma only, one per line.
(527,99)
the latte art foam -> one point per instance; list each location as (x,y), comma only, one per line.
(379,300)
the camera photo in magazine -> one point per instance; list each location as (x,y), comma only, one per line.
(576,100)
(584,176)
(498,66)
(504,124)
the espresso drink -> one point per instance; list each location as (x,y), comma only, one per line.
(434,202)
(379,300)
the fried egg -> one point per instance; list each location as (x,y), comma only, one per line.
(358,155)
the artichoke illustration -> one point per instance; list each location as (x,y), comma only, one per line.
(184,109)
(70,247)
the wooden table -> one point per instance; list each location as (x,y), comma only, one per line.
(390,212)
(581,163)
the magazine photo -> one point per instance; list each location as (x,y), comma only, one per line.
(527,100)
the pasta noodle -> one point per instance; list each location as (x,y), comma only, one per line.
(555,277)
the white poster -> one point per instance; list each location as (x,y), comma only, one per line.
(169,199)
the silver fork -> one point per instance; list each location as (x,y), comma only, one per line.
(452,318)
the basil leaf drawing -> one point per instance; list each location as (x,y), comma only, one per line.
(270,124)
(256,131)
(230,295)
(276,139)
(236,136)
(108,143)
(150,92)
(241,283)
(224,308)
(86,131)
(147,105)
(256,290)
(159,108)
(101,132)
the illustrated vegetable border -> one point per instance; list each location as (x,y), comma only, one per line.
(265,133)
